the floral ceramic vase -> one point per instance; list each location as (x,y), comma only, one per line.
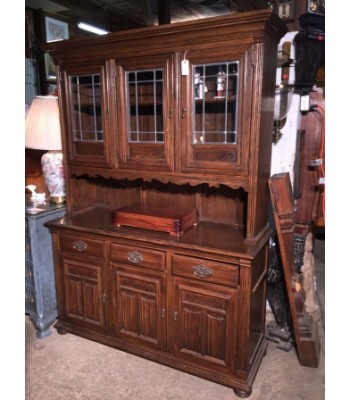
(52,165)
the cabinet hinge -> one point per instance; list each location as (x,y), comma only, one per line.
(104,297)
(162,313)
(175,316)
(107,114)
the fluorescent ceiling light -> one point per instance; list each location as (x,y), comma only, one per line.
(91,28)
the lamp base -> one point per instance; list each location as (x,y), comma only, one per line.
(52,165)
(57,199)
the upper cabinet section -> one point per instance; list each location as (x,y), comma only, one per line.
(190,101)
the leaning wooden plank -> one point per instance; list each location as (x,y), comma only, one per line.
(304,327)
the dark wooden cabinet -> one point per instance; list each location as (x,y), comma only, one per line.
(175,117)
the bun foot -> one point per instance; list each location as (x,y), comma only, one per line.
(242,393)
(61,331)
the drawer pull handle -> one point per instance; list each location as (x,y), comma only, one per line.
(135,257)
(29,275)
(202,271)
(30,300)
(80,245)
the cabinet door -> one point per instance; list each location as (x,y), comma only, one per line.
(90,114)
(146,110)
(83,293)
(205,323)
(212,105)
(138,312)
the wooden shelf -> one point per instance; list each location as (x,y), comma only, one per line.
(216,99)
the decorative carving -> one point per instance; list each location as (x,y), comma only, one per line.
(228,156)
(305,329)
(82,272)
(123,176)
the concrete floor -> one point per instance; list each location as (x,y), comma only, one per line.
(70,368)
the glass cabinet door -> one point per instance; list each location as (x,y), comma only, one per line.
(147,131)
(89,117)
(86,111)
(210,114)
(145,106)
(214,103)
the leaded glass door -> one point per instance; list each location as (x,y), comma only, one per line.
(147,106)
(90,115)
(211,112)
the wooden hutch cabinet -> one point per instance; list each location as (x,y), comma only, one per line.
(169,120)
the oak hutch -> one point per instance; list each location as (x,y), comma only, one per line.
(173,119)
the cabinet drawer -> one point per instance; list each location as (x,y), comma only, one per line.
(83,246)
(205,270)
(138,256)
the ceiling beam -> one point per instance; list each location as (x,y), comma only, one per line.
(164,12)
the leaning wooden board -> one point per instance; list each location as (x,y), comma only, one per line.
(305,329)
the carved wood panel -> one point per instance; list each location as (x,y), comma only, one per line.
(83,288)
(305,329)
(203,321)
(138,305)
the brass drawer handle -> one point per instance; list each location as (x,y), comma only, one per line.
(80,245)
(135,257)
(202,271)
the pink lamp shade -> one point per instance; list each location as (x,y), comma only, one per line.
(43,132)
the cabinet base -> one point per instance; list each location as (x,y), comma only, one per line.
(242,388)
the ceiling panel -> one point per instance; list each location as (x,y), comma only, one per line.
(115,15)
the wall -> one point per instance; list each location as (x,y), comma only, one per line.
(284,151)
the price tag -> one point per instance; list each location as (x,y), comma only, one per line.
(185,67)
